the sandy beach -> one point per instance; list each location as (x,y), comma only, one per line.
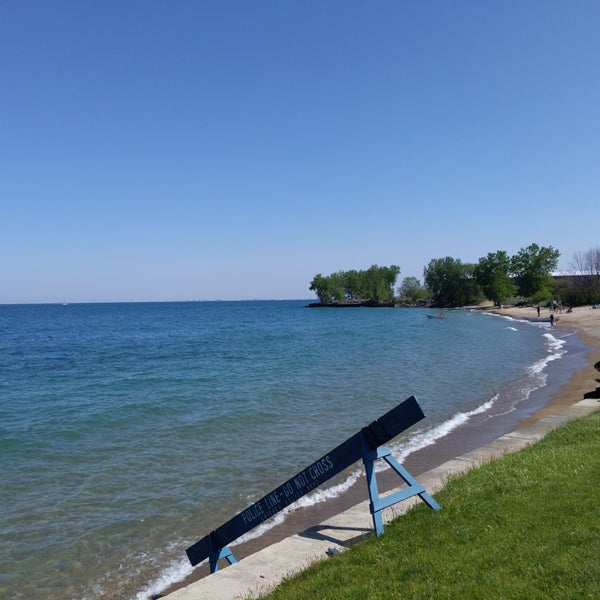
(479,433)
(586,322)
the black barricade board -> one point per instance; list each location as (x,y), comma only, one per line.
(377,433)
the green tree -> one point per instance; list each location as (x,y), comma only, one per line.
(320,286)
(492,273)
(532,268)
(375,284)
(353,286)
(411,290)
(328,288)
(380,282)
(337,282)
(451,282)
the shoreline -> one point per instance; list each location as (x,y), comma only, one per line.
(584,321)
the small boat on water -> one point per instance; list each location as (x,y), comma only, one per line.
(440,316)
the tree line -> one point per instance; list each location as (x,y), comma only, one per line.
(497,277)
(526,276)
(375,284)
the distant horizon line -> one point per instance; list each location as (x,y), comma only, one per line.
(65,303)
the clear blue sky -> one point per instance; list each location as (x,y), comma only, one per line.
(234,149)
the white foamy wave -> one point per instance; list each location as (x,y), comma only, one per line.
(173,573)
(536,373)
(517,320)
(331,492)
(319,495)
(555,348)
(497,316)
(264,527)
(512,328)
(554,343)
(428,437)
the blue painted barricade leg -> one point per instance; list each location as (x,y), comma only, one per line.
(216,553)
(370,455)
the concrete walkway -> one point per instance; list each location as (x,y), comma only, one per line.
(259,573)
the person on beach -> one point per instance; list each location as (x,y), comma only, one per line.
(538,309)
(551,320)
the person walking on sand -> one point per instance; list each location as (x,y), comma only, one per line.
(538,309)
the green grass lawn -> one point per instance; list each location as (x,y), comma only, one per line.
(523,526)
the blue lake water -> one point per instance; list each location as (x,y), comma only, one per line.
(129,431)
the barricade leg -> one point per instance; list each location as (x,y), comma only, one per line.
(216,553)
(377,504)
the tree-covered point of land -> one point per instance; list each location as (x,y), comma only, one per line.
(376,284)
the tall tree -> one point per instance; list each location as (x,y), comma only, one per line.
(320,286)
(352,286)
(532,268)
(380,282)
(451,282)
(493,276)
(411,290)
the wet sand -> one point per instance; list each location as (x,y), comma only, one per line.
(478,432)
